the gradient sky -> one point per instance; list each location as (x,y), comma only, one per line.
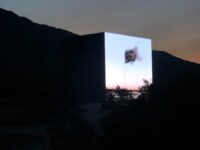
(173,25)
(127,75)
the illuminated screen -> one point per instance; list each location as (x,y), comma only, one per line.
(128,61)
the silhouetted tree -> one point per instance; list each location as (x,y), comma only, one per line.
(119,95)
(144,90)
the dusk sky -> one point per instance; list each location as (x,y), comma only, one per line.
(173,25)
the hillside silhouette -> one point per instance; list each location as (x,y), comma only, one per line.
(30,69)
(166,67)
(33,118)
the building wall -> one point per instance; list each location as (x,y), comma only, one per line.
(84,65)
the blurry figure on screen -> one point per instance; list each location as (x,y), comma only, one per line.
(131,55)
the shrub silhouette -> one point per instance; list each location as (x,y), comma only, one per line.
(163,113)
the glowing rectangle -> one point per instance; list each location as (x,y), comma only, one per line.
(128,61)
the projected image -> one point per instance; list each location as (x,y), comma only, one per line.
(128,61)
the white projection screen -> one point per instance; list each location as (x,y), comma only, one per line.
(128,61)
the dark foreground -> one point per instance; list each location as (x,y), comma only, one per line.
(165,114)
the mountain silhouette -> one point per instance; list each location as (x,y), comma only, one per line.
(167,67)
(27,49)
(30,58)
(20,37)
(31,61)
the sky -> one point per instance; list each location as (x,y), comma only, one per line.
(127,75)
(173,25)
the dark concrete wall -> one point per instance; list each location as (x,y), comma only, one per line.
(85,69)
